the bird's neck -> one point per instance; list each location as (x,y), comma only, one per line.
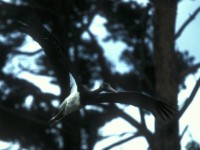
(89,95)
(97,91)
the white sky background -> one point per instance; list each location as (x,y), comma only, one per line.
(189,40)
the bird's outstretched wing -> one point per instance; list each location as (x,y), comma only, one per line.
(158,108)
(51,46)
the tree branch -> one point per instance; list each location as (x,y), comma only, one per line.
(26,53)
(189,70)
(23,115)
(141,128)
(122,141)
(25,8)
(101,59)
(189,100)
(27,117)
(143,122)
(185,24)
(26,69)
(120,135)
(183,133)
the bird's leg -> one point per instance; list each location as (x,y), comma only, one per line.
(56,118)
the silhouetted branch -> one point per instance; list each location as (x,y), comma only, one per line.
(143,122)
(26,53)
(123,141)
(102,60)
(25,8)
(119,135)
(143,60)
(189,100)
(22,82)
(183,133)
(189,20)
(23,115)
(141,46)
(28,117)
(189,70)
(28,70)
(141,128)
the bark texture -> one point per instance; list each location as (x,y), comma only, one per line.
(166,133)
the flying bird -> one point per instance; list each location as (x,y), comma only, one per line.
(78,98)
(79,95)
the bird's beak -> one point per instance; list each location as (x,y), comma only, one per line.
(110,89)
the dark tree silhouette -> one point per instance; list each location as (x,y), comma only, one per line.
(148,32)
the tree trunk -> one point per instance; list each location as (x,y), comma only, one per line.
(166,133)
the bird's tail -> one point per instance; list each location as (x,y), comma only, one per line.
(165,111)
(56,118)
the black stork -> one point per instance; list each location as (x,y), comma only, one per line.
(79,95)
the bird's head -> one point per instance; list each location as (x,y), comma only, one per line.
(107,87)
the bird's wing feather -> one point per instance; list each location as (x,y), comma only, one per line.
(51,46)
(156,107)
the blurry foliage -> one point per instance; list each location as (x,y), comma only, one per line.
(68,20)
(193,145)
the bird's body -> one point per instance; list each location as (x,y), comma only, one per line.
(70,104)
(76,99)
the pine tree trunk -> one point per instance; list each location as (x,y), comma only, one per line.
(166,133)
